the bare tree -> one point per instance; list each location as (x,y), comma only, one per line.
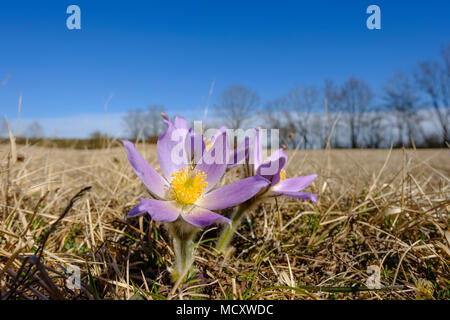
(34,130)
(236,104)
(433,79)
(356,99)
(401,98)
(317,131)
(299,104)
(271,115)
(333,105)
(375,129)
(136,124)
(141,124)
(155,125)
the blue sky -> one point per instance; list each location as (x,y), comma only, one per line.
(170,52)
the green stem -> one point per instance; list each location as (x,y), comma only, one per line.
(228,232)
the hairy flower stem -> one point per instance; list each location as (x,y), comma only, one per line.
(183,234)
(227,233)
(183,258)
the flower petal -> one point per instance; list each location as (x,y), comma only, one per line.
(218,133)
(180,123)
(214,161)
(233,193)
(149,176)
(271,169)
(240,153)
(295,184)
(160,211)
(136,211)
(201,217)
(172,155)
(299,195)
(257,149)
(195,146)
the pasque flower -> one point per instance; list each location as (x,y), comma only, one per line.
(238,155)
(187,190)
(272,170)
(184,195)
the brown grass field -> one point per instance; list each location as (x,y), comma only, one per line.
(376,208)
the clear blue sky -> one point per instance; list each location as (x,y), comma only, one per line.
(169,52)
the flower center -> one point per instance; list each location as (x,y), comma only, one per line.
(282,177)
(187,185)
(208,145)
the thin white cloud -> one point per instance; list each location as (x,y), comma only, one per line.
(78,126)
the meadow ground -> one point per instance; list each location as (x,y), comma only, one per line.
(376,209)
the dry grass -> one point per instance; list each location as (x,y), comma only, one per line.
(375,208)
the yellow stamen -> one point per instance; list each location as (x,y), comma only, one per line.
(187,185)
(208,145)
(282,175)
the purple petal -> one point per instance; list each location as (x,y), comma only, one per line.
(271,169)
(195,146)
(218,133)
(136,211)
(295,184)
(201,217)
(275,178)
(299,195)
(160,211)
(180,123)
(152,179)
(257,149)
(172,155)
(240,153)
(214,161)
(233,193)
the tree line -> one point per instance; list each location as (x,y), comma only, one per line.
(412,109)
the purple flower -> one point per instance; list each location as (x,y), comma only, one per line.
(273,170)
(238,155)
(190,174)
